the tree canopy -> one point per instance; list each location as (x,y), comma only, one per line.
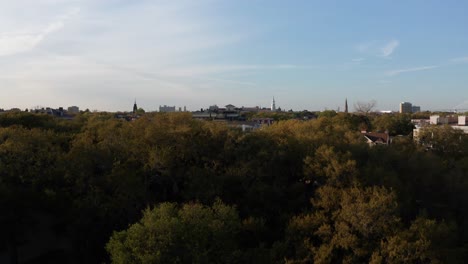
(168,188)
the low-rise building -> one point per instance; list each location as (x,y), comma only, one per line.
(456,122)
(73,109)
(263,121)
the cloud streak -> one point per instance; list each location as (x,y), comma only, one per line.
(459,60)
(378,48)
(215,69)
(14,43)
(414,69)
(389,48)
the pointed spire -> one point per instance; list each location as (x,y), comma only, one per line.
(273,105)
(346,105)
(135,107)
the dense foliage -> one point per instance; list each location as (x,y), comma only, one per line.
(169,189)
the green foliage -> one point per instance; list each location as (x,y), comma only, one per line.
(445,140)
(167,234)
(328,113)
(425,241)
(329,167)
(395,124)
(96,174)
(26,120)
(346,225)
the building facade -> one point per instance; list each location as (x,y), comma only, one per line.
(406,107)
(415,109)
(167,109)
(73,109)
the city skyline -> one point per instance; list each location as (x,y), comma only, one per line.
(307,54)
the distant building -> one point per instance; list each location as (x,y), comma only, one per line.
(443,120)
(230,107)
(346,106)
(273,105)
(462,120)
(250,109)
(456,122)
(167,109)
(73,109)
(415,109)
(406,107)
(265,121)
(213,108)
(135,107)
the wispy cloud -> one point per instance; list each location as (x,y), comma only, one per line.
(459,60)
(198,70)
(18,42)
(389,48)
(378,48)
(414,69)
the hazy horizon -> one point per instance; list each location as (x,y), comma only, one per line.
(307,54)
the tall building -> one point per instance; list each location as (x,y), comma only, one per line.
(416,109)
(273,105)
(406,107)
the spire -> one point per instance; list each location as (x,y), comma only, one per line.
(346,106)
(273,105)
(135,107)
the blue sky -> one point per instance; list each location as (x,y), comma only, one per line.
(102,54)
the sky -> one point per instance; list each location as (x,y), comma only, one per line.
(104,54)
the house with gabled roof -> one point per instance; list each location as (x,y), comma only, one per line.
(376,138)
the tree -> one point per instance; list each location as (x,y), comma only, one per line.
(444,140)
(346,226)
(359,225)
(328,113)
(425,241)
(365,107)
(29,177)
(394,124)
(330,167)
(167,233)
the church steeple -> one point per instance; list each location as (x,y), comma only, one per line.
(346,106)
(135,107)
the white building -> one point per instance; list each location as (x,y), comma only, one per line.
(273,105)
(462,121)
(438,120)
